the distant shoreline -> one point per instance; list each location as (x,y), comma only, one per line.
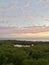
(27,39)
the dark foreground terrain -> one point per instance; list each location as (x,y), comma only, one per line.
(33,55)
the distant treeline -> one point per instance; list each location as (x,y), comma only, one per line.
(23,42)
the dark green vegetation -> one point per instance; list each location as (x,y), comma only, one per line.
(36,55)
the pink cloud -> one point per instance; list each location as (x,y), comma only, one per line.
(35,29)
(31,17)
(45,17)
(7,31)
(38,2)
(32,29)
(27,4)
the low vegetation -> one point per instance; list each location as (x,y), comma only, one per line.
(36,55)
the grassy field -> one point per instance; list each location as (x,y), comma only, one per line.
(33,55)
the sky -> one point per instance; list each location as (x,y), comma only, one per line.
(24,18)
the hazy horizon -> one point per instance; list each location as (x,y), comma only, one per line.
(27,39)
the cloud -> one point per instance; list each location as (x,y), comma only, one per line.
(31,35)
(46,4)
(26,32)
(16,15)
(37,2)
(32,29)
(45,17)
(27,4)
(31,18)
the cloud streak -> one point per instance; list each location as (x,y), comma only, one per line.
(26,32)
